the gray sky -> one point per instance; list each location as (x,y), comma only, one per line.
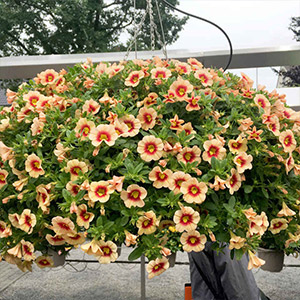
(249,24)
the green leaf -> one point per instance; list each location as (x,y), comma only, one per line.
(66,194)
(265,193)
(248,189)
(239,253)
(232,201)
(136,253)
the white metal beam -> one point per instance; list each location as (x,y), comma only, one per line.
(28,66)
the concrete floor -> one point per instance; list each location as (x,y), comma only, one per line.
(122,282)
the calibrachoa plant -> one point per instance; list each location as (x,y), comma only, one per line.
(160,155)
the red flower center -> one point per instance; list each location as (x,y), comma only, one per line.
(33,100)
(101,191)
(189,156)
(186,219)
(134,195)
(85,130)
(103,136)
(106,250)
(148,118)
(213,151)
(160,74)
(150,148)
(158,267)
(75,170)
(193,240)
(134,78)
(233,180)
(64,226)
(35,165)
(181,90)
(288,141)
(194,190)
(147,223)
(49,77)
(277,225)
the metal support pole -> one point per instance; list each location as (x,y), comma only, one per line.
(143,278)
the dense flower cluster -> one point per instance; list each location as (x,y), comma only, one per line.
(159,155)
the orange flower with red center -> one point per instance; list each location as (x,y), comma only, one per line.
(134,78)
(147,117)
(274,125)
(193,241)
(120,128)
(261,101)
(278,225)
(100,191)
(157,267)
(114,70)
(62,226)
(134,196)
(33,165)
(258,224)
(195,63)
(188,128)
(236,242)
(130,239)
(27,221)
(234,182)
(193,191)
(192,103)
(76,239)
(84,218)
(288,141)
(176,123)
(219,184)
(186,219)
(133,125)
(14,220)
(103,133)
(160,178)
(237,146)
(248,94)
(169,98)
(189,155)
(245,124)
(92,248)
(243,162)
(183,68)
(83,128)
(147,223)
(44,262)
(213,148)
(5,231)
(73,188)
(27,251)
(289,164)
(205,77)
(74,167)
(33,98)
(150,148)
(160,73)
(56,240)
(176,181)
(108,252)
(3,175)
(48,77)
(181,88)
(6,153)
(43,197)
(91,106)
(254,134)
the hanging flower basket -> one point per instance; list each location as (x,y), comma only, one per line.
(172,260)
(273,259)
(158,155)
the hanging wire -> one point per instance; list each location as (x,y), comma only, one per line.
(149,5)
(205,20)
(164,46)
(134,21)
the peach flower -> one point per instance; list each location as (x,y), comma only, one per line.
(254,261)
(83,128)
(181,88)
(27,221)
(193,191)
(74,167)
(189,155)
(160,73)
(103,133)
(213,148)
(100,191)
(234,182)
(48,77)
(132,124)
(277,225)
(160,178)
(63,225)
(44,262)
(193,241)
(288,141)
(286,211)
(150,148)
(205,77)
(91,106)
(84,218)
(147,223)
(236,242)
(56,240)
(243,162)
(33,165)
(134,78)
(186,219)
(176,181)
(147,117)
(157,267)
(130,239)
(3,175)
(134,196)
(237,146)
